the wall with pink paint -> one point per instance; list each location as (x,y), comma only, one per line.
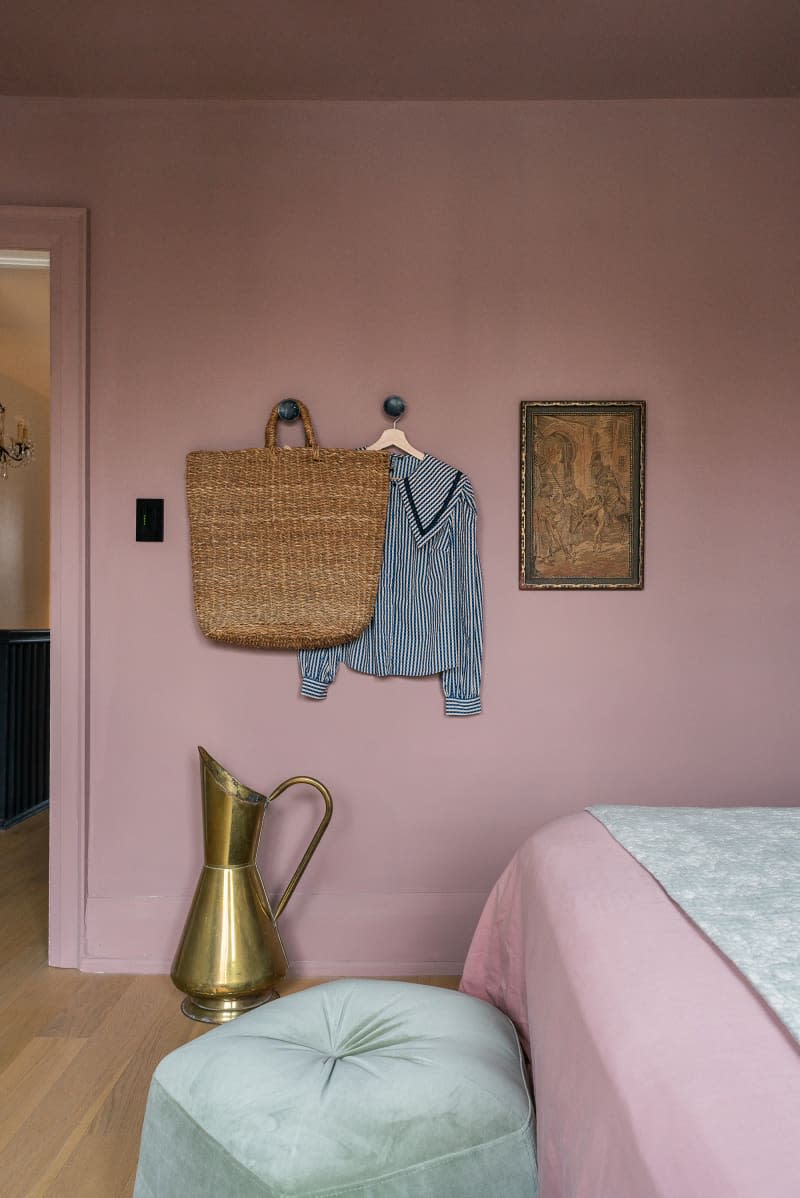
(467,256)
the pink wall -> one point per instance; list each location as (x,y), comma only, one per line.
(466,256)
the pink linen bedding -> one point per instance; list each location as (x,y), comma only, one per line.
(658,1071)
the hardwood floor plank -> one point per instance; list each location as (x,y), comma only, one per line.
(54,990)
(445,982)
(16,968)
(115,1044)
(29,1077)
(100,1167)
(18,1027)
(88,1001)
(49,1136)
(123,1109)
(112,1140)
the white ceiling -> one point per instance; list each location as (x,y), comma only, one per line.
(401,49)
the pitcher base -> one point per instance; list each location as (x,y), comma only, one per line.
(222,1010)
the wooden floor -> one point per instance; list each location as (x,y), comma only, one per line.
(76,1050)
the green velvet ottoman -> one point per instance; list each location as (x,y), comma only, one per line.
(365,1088)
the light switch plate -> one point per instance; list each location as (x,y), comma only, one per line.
(149,519)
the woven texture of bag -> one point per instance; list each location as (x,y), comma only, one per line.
(287,543)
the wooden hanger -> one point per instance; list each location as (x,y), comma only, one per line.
(395,438)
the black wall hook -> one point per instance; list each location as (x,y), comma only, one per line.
(288,410)
(394,406)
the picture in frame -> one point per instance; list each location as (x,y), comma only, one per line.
(582,494)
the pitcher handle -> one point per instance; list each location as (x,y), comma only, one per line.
(315,839)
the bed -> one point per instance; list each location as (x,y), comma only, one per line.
(659,1069)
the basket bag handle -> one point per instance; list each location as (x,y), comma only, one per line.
(270,431)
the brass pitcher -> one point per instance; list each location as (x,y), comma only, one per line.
(230,954)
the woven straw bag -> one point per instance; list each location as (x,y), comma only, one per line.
(287,543)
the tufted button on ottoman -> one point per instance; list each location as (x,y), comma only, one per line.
(369,1089)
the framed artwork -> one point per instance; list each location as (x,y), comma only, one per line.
(582,495)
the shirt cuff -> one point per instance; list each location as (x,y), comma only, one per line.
(462,706)
(313,689)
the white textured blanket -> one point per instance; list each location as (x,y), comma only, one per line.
(735,871)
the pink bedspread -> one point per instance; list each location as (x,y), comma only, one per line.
(658,1071)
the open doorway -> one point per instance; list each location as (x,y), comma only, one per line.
(60,234)
(24,534)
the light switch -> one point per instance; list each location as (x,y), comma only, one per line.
(149,519)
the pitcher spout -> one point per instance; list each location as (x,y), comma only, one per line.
(232,815)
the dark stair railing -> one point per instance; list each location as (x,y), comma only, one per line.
(24,723)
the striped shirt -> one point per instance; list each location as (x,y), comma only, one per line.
(428,615)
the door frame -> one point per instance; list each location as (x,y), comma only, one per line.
(63,231)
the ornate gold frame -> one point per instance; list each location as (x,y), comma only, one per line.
(582,494)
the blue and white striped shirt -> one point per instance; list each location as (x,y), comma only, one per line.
(428,615)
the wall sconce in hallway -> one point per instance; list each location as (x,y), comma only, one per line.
(14,452)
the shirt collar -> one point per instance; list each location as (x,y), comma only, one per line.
(427,486)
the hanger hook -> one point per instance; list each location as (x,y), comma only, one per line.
(394,406)
(288,410)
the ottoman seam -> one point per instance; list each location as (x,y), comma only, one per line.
(349,1188)
(268,1189)
(522,1077)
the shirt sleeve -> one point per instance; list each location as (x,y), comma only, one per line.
(318,669)
(461,683)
